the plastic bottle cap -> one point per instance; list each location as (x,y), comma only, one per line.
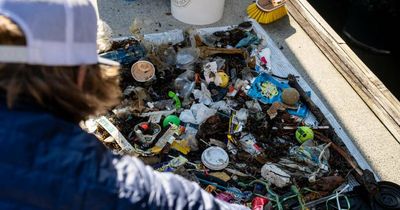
(145,126)
(171,119)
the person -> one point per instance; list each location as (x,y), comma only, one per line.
(50,80)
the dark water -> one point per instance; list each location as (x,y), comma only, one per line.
(379,30)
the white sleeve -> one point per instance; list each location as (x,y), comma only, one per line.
(140,183)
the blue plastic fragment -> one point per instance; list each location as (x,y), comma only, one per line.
(256,92)
(126,56)
(256,89)
(248,40)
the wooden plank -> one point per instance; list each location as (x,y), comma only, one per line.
(374,93)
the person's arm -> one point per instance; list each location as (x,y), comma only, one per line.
(163,190)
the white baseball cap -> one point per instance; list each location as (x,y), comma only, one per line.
(58,33)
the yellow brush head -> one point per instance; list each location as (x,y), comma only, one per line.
(265,17)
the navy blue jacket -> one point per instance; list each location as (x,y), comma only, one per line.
(49,163)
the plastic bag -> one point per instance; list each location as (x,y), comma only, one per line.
(314,156)
(203,95)
(253,106)
(248,40)
(210,70)
(190,136)
(169,56)
(104,36)
(187,57)
(197,114)
(174,37)
(242,115)
(264,62)
(222,106)
(275,175)
(248,143)
(184,84)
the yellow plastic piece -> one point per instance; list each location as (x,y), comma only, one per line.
(156,150)
(181,146)
(221,175)
(210,188)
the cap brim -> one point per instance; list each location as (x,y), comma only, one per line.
(19,54)
(108,62)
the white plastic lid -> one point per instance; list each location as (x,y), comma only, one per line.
(215,158)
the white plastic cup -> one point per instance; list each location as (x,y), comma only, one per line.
(198,12)
(143,71)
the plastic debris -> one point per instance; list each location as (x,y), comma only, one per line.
(190,136)
(155,117)
(126,56)
(215,158)
(197,114)
(104,36)
(203,95)
(275,175)
(184,83)
(315,157)
(267,89)
(186,57)
(227,197)
(221,175)
(247,41)
(175,97)
(181,146)
(264,62)
(114,132)
(171,119)
(147,132)
(143,71)
(213,108)
(210,71)
(304,134)
(221,79)
(168,138)
(259,203)
(249,144)
(253,106)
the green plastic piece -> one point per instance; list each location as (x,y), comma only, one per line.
(171,119)
(304,134)
(175,97)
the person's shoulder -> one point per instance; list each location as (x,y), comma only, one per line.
(45,127)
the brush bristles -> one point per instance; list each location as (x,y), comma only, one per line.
(265,17)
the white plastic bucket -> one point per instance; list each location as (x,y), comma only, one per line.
(198,12)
